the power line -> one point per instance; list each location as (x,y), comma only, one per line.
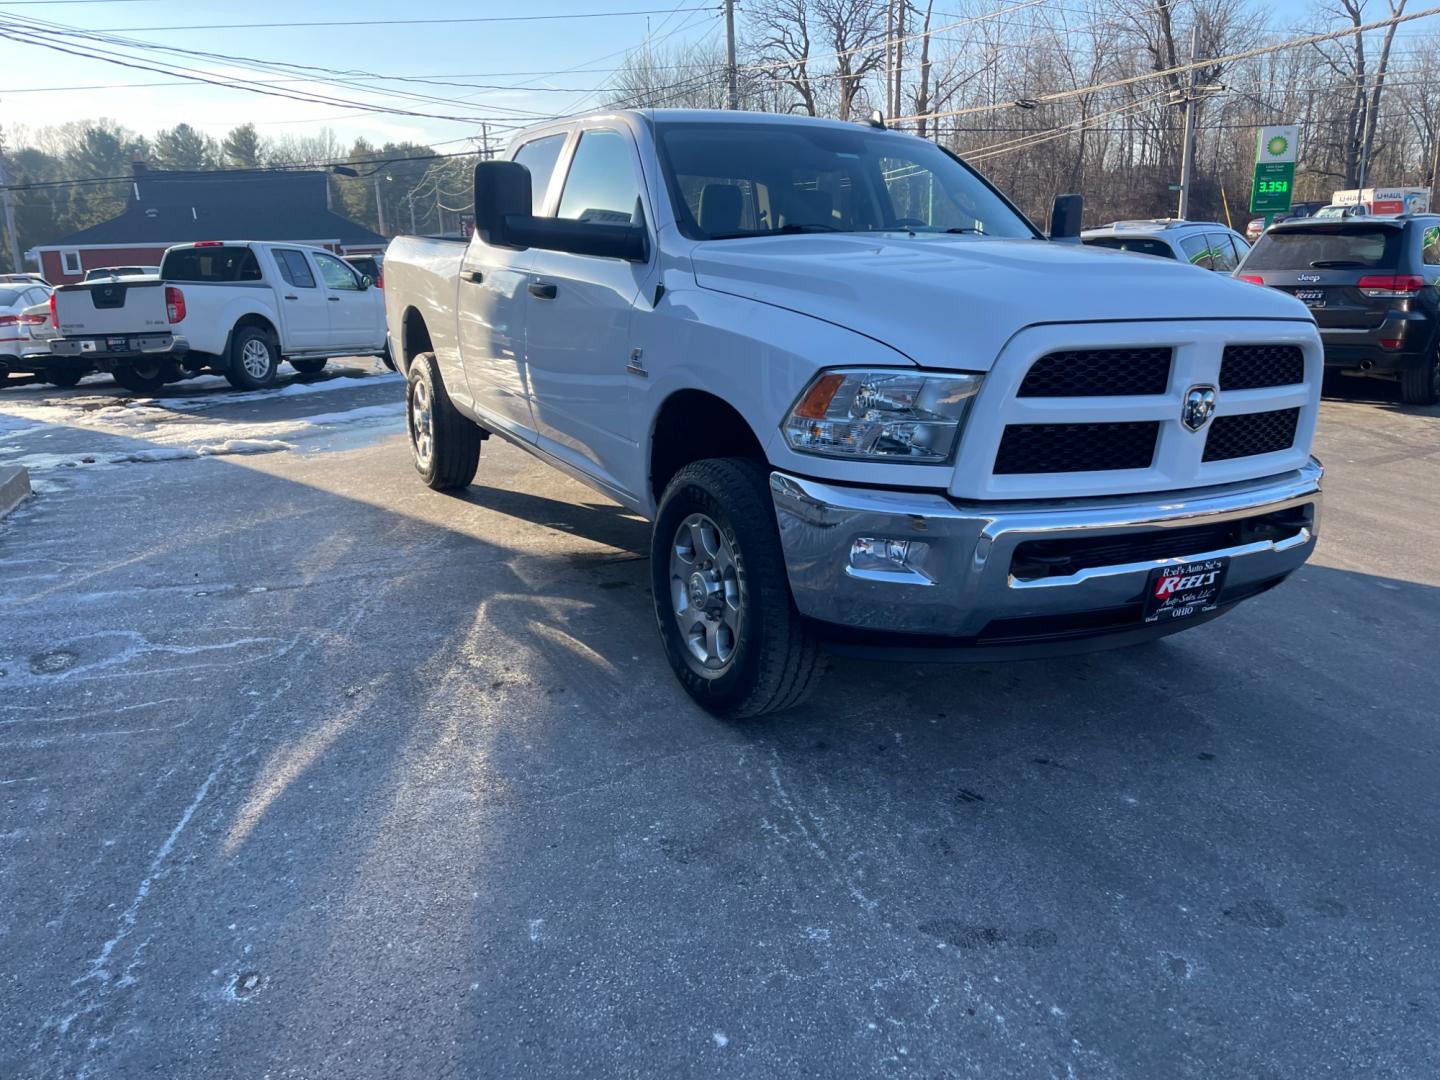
(1248,54)
(398,22)
(24,37)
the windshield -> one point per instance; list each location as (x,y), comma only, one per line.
(1336,247)
(745,179)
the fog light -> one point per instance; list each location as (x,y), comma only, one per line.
(1390,343)
(884,555)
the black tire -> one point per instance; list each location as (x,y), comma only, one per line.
(775,662)
(308,367)
(1421,386)
(144,377)
(452,455)
(254,345)
(64,378)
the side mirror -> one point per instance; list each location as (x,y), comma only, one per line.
(1065,218)
(365,282)
(502,192)
(504,217)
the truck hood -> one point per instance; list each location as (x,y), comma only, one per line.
(954,301)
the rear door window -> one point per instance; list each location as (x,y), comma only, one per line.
(540,156)
(1222,252)
(1430,251)
(211,264)
(1335,247)
(294,269)
(1197,251)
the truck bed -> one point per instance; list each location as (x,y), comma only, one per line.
(423,272)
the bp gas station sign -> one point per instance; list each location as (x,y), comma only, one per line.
(1274,182)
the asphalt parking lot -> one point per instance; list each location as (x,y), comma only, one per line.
(307,771)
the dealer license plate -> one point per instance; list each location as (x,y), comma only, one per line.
(1184,589)
(116,344)
(1311,297)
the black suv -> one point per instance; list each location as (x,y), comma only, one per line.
(1373,285)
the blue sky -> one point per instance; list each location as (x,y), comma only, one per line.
(553,66)
(479,52)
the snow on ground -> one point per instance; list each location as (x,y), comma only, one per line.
(185,426)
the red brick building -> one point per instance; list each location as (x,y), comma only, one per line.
(166,208)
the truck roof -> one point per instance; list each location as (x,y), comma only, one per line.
(695,116)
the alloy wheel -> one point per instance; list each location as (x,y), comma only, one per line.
(705,591)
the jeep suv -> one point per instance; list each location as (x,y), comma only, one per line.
(1373,285)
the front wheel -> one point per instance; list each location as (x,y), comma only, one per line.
(254,359)
(1421,385)
(308,367)
(444,443)
(722,597)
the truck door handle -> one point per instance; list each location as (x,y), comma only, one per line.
(291,296)
(475,277)
(333,299)
(543,290)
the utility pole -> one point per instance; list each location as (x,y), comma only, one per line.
(413,230)
(732,83)
(8,197)
(889,53)
(1187,150)
(379,206)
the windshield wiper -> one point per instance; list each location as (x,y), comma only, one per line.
(783,230)
(965,229)
(1337,264)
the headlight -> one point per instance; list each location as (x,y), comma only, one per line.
(882,415)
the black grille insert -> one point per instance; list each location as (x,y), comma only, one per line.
(1098,372)
(1249,367)
(1249,434)
(1059,558)
(1063,448)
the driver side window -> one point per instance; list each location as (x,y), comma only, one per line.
(337,275)
(602,187)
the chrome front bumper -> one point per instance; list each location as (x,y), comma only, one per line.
(960,583)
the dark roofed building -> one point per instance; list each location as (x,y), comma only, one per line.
(166,208)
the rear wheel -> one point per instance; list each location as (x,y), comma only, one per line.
(61,377)
(722,597)
(308,367)
(1421,385)
(444,443)
(254,359)
(145,377)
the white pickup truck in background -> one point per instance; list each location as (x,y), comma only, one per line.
(864,401)
(235,307)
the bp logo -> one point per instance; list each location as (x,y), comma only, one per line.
(1277,146)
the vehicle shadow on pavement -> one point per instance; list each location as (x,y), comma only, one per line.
(323,772)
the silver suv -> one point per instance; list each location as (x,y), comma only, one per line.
(1206,244)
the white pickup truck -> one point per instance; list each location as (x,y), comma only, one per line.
(237,307)
(866,404)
